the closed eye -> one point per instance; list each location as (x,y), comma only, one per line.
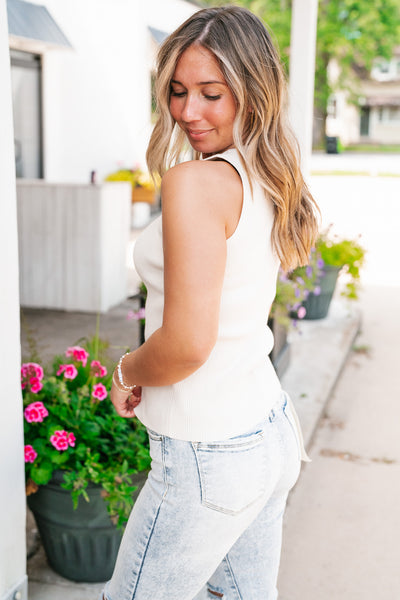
(178,94)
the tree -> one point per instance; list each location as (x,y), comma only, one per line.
(354,32)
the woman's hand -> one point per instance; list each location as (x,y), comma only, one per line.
(125,402)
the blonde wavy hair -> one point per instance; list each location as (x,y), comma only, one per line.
(252,69)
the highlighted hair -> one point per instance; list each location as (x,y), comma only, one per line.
(252,69)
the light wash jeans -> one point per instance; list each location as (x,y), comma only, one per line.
(208,522)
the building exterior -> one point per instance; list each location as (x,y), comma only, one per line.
(81,75)
(376,117)
(81,82)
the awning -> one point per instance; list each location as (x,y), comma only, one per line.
(27,21)
(158,35)
(382,101)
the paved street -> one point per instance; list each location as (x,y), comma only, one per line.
(341,535)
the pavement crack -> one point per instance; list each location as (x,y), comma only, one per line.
(351,457)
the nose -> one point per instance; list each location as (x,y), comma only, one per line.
(191,109)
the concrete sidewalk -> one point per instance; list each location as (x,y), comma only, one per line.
(341,530)
(319,350)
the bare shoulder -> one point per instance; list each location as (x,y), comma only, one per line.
(203,179)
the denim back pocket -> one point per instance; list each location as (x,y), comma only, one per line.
(233,473)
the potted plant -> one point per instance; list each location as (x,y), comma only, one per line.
(81,461)
(338,255)
(143,187)
(292,289)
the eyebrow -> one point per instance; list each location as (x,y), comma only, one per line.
(200,82)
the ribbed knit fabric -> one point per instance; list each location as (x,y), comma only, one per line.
(237,386)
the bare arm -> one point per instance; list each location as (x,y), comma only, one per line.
(201,205)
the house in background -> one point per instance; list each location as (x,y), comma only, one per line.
(376,117)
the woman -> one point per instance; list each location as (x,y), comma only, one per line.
(225,444)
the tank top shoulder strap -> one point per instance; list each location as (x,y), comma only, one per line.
(231,156)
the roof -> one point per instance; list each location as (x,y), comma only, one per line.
(30,21)
(382,101)
(158,35)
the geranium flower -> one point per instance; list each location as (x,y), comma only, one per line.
(61,439)
(99,391)
(30,454)
(36,384)
(78,353)
(32,370)
(69,371)
(98,369)
(35,412)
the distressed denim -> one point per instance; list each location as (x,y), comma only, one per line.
(208,522)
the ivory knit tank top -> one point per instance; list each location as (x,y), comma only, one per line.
(237,386)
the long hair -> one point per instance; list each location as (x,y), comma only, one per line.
(252,69)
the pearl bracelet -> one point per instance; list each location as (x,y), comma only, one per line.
(127,388)
(115,382)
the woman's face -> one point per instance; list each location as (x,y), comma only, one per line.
(201,101)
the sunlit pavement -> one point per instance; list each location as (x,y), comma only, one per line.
(341,529)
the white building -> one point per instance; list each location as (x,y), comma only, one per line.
(81,85)
(82,90)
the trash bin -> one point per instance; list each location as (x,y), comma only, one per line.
(332,145)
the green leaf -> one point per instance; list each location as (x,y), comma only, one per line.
(42,474)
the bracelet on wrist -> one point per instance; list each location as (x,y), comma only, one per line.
(126,388)
(115,382)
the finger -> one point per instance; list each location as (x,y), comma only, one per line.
(137,391)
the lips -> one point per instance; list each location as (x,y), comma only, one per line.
(197,134)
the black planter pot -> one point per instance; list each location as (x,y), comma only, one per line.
(80,544)
(317,307)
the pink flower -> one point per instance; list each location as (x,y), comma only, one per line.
(61,369)
(30,454)
(36,384)
(137,315)
(98,369)
(99,391)
(35,412)
(70,371)
(301,313)
(78,353)
(31,376)
(32,370)
(71,439)
(59,439)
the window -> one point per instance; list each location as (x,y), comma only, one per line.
(394,113)
(26,76)
(389,114)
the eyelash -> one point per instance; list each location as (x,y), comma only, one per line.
(181,94)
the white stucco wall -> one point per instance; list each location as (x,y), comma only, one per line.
(346,123)
(383,131)
(96,97)
(12,488)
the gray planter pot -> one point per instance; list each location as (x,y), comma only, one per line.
(317,307)
(80,544)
